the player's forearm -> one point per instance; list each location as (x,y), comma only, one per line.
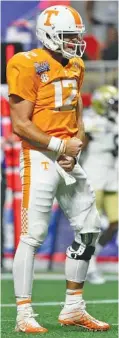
(80,124)
(36,137)
(81,131)
(27,130)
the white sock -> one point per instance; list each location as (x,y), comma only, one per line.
(23,270)
(23,305)
(73,297)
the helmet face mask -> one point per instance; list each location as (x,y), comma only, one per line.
(113,104)
(70,44)
(113,108)
(62,34)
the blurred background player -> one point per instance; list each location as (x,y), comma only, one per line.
(110,48)
(101,16)
(46,112)
(8,140)
(3,190)
(100,163)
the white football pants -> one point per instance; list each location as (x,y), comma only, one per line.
(41,182)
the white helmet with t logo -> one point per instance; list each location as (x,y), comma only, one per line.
(60,29)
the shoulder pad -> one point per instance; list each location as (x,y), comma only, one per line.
(77,62)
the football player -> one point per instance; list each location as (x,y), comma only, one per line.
(99,162)
(44,90)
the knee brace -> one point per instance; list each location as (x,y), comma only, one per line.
(84,249)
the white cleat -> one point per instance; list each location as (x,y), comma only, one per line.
(78,316)
(26,322)
(95,278)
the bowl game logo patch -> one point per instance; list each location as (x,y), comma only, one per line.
(44,77)
(41,67)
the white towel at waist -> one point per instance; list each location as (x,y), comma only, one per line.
(69,179)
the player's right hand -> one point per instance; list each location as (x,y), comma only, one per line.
(73,147)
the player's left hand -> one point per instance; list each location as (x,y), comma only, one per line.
(66,162)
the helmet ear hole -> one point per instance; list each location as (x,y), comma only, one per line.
(48,36)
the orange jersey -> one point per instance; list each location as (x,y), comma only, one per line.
(54,89)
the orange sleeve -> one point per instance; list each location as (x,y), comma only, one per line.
(81,77)
(21,79)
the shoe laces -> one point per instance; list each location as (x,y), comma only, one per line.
(29,315)
(82,305)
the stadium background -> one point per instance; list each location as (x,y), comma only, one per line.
(18,33)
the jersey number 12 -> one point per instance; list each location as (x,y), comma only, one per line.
(58,91)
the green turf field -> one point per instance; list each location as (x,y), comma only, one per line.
(44,291)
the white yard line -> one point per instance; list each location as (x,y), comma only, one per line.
(12,320)
(51,276)
(98,301)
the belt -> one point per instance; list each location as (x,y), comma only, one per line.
(65,108)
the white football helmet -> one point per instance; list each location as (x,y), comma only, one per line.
(60,29)
(105,99)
